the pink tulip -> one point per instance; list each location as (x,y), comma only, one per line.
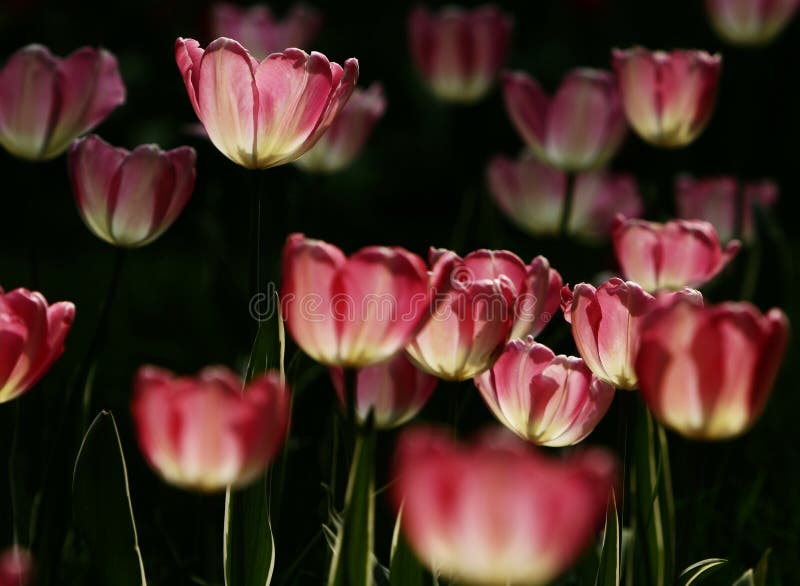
(598,197)
(257,28)
(546,399)
(343,141)
(16,567)
(32,337)
(129,198)
(356,311)
(716,200)
(605,325)
(459,52)
(707,372)
(46,101)
(678,254)
(750,22)
(393,391)
(668,97)
(497,512)
(207,432)
(581,127)
(263,114)
(539,299)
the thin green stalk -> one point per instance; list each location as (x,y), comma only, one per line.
(566,210)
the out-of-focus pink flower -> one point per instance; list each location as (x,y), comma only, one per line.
(750,22)
(263,114)
(130,198)
(581,127)
(459,52)
(668,96)
(356,311)
(394,391)
(46,101)
(207,432)
(716,200)
(546,399)
(605,325)
(497,512)
(707,372)
(257,28)
(16,567)
(32,337)
(343,141)
(674,255)
(531,194)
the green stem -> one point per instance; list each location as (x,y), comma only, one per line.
(12,485)
(566,210)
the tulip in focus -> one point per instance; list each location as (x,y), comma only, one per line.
(130,198)
(16,567)
(268,113)
(32,337)
(459,52)
(343,141)
(257,28)
(498,512)
(606,324)
(750,22)
(674,255)
(206,432)
(581,127)
(546,399)
(707,372)
(723,202)
(47,101)
(393,391)
(668,96)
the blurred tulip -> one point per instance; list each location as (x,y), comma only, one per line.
(750,22)
(458,51)
(605,325)
(32,337)
(129,198)
(674,255)
(581,127)
(668,96)
(263,114)
(546,399)
(343,141)
(716,200)
(598,197)
(46,101)
(497,512)
(16,567)
(707,372)
(207,432)
(394,391)
(356,311)
(257,28)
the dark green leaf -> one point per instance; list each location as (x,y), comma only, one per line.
(609,572)
(404,568)
(699,571)
(757,576)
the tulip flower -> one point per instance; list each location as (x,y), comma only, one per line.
(129,198)
(46,101)
(668,97)
(750,22)
(393,392)
(674,255)
(356,311)
(459,52)
(268,113)
(707,372)
(546,399)
(343,141)
(539,298)
(257,28)
(581,127)
(206,432)
(32,337)
(497,512)
(717,200)
(605,325)
(532,194)
(16,567)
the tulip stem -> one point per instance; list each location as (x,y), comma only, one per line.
(566,210)
(350,400)
(257,234)
(12,484)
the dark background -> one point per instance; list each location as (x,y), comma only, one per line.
(183,301)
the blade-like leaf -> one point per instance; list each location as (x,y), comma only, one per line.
(699,571)
(757,576)
(404,567)
(609,572)
(102,505)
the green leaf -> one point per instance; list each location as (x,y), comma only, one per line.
(352,555)
(404,567)
(699,571)
(609,572)
(757,576)
(102,505)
